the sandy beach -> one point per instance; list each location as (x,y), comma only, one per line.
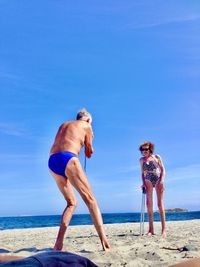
(128,248)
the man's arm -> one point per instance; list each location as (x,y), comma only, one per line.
(10,258)
(88,142)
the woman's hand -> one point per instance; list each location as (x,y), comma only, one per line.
(144,189)
(143,186)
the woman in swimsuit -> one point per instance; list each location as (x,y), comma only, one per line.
(153,173)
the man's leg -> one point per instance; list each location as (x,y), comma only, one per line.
(78,179)
(67,191)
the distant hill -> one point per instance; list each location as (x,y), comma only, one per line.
(176,210)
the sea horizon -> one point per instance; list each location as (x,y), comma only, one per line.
(36,215)
(40,221)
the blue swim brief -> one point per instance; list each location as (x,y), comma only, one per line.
(58,162)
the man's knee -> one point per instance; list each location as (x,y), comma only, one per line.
(72,204)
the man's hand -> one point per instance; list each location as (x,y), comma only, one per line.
(89,150)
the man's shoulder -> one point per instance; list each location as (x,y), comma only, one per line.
(64,124)
(85,124)
(74,122)
(82,125)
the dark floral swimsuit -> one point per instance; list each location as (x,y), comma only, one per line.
(152,171)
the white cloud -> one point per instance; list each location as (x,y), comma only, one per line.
(11,129)
(184,173)
(21,158)
(189,18)
(9,76)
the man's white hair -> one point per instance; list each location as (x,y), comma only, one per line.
(83,114)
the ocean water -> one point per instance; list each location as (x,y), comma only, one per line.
(84,219)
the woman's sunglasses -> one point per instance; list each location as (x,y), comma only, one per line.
(144,149)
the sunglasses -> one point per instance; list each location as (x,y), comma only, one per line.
(144,149)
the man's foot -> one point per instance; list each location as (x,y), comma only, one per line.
(106,246)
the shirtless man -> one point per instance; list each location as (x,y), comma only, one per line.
(67,171)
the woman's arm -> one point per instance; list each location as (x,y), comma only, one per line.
(162,168)
(143,179)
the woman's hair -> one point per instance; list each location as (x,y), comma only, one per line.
(149,144)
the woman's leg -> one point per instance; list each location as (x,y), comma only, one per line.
(78,179)
(67,191)
(160,197)
(149,196)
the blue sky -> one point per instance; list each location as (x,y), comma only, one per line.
(135,65)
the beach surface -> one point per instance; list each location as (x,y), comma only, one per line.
(128,248)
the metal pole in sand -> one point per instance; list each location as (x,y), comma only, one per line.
(142,212)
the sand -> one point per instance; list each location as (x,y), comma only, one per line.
(128,248)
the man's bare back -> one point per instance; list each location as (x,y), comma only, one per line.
(72,136)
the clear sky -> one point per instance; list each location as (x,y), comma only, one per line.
(135,65)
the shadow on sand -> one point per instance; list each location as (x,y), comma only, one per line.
(34,249)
